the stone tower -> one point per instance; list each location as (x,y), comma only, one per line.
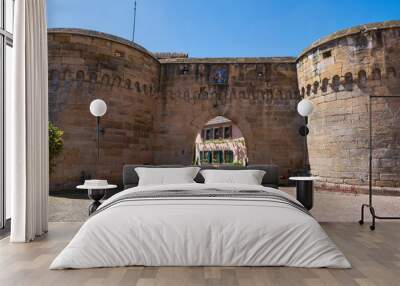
(338,73)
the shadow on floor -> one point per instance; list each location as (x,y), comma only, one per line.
(78,194)
(5,231)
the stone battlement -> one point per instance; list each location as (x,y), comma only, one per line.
(170,55)
(242,60)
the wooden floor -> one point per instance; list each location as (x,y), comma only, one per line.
(375,257)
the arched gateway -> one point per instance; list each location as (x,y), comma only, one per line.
(220,142)
(258,94)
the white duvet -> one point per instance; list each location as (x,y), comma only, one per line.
(200,231)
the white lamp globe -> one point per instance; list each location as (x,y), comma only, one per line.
(98,107)
(305,107)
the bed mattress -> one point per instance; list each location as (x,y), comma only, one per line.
(201,225)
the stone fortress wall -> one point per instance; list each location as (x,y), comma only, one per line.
(259,95)
(158,102)
(337,74)
(87,65)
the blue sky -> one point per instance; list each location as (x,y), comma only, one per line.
(221,28)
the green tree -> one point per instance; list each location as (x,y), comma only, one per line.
(55,144)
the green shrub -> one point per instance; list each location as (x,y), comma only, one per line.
(55,144)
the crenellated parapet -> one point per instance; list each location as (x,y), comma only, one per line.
(105,80)
(258,80)
(364,57)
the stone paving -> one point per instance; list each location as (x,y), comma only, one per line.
(345,207)
(328,207)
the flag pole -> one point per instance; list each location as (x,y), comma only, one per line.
(134,23)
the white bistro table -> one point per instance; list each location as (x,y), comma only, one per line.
(96,193)
(304,190)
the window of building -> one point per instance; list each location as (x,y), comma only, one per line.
(217,157)
(326,54)
(361,41)
(218,133)
(228,156)
(209,134)
(184,70)
(208,157)
(228,132)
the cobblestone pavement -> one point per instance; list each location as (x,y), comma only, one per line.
(328,206)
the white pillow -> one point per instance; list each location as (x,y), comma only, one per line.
(247,177)
(166,176)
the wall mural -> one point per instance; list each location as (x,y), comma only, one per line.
(219,75)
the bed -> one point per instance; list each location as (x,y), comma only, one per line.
(201,224)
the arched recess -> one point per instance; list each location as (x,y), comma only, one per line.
(239,120)
(220,142)
(271,137)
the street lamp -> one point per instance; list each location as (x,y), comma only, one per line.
(305,108)
(98,108)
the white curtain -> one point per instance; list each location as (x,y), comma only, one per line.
(27,123)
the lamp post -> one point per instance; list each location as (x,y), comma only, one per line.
(305,108)
(98,108)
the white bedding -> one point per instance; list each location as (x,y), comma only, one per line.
(200,231)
